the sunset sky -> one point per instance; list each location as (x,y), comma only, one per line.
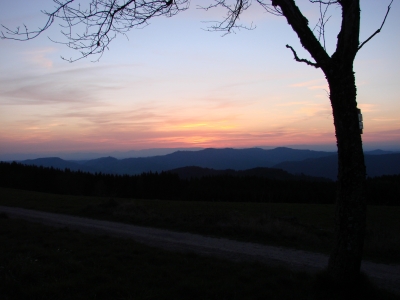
(174,84)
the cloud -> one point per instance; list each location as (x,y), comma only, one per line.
(113,119)
(368,107)
(307,108)
(66,87)
(315,110)
(317,84)
(293,103)
(40,57)
(220,103)
(388,136)
(144,128)
(384,119)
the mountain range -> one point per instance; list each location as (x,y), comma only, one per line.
(307,162)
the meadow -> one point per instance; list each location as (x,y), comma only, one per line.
(42,262)
(301,226)
(54,263)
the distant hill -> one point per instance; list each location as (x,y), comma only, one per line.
(307,162)
(219,159)
(104,165)
(379,152)
(377,165)
(58,163)
(79,156)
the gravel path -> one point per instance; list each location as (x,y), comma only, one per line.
(386,276)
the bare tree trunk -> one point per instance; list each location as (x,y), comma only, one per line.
(350,220)
(345,260)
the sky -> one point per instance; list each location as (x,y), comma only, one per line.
(174,84)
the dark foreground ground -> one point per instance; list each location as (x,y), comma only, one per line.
(384,275)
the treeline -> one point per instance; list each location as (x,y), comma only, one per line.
(384,190)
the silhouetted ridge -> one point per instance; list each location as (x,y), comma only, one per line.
(247,187)
(57,163)
(377,165)
(307,162)
(270,173)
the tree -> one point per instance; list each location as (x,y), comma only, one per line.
(101,21)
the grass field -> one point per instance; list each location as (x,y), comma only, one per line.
(301,226)
(42,262)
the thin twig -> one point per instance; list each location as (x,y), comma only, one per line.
(302,59)
(379,30)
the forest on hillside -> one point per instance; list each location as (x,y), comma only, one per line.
(384,190)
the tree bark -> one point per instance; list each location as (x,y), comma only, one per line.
(350,220)
(345,260)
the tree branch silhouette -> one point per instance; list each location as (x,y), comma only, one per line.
(380,28)
(91,29)
(302,59)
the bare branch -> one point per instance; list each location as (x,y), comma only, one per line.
(90,29)
(379,30)
(320,26)
(323,2)
(272,9)
(229,23)
(302,59)
(29,35)
(348,36)
(322,23)
(299,24)
(234,9)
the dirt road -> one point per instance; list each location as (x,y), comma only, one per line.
(386,276)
